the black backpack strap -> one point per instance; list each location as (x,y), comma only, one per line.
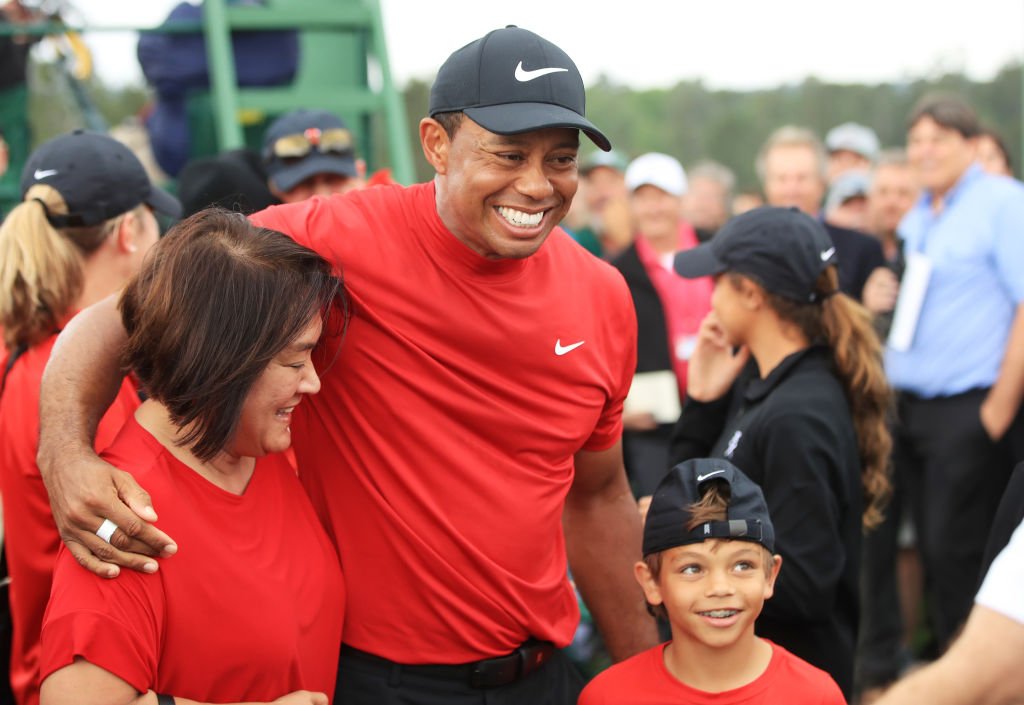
(15,354)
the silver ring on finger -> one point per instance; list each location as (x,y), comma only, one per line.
(106,530)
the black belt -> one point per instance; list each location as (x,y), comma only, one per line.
(489,673)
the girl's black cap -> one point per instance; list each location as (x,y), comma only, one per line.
(98,177)
(784,249)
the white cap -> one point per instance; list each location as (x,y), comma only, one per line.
(656,169)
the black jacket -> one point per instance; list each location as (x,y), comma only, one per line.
(652,347)
(792,434)
(858,256)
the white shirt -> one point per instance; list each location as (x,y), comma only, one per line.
(1001,589)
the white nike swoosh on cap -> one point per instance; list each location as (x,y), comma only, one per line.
(562,350)
(43,173)
(522,75)
(701,478)
(827,253)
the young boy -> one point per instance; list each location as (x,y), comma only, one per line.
(709,566)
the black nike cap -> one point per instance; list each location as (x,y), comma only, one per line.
(746,519)
(784,249)
(512,81)
(98,177)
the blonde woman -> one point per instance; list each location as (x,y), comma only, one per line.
(81,231)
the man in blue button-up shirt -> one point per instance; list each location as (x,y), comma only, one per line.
(962,378)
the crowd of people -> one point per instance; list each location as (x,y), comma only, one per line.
(773,432)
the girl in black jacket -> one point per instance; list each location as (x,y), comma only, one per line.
(787,382)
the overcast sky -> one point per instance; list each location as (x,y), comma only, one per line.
(654,43)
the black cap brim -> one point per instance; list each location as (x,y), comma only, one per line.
(163,202)
(697,262)
(516,118)
(286,178)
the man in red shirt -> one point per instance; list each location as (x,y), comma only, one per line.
(473,412)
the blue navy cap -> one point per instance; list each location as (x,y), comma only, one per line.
(287,173)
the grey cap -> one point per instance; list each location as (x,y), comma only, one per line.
(853,137)
(851,184)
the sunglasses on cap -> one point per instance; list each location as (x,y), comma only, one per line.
(336,140)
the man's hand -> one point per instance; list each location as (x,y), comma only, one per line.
(81,379)
(880,291)
(713,366)
(91,491)
(603,537)
(996,417)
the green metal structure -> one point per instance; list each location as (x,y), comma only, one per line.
(343,68)
(341,46)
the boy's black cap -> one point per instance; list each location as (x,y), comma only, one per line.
(669,512)
(784,249)
(511,81)
(98,177)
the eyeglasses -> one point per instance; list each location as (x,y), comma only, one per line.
(335,140)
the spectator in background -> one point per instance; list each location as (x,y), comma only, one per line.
(745,201)
(14,125)
(84,225)
(669,310)
(891,570)
(786,382)
(311,153)
(792,168)
(894,190)
(605,202)
(175,64)
(961,379)
(305,153)
(847,202)
(708,200)
(992,153)
(851,147)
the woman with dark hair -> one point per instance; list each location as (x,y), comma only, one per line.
(787,383)
(84,224)
(221,324)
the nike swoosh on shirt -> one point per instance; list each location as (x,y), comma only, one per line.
(560,350)
(701,478)
(522,75)
(43,173)
(827,253)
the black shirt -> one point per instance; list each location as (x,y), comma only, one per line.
(792,434)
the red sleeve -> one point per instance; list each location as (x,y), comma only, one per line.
(621,335)
(114,624)
(309,223)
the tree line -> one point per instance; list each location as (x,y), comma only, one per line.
(690,121)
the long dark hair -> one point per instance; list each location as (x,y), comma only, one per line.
(846,327)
